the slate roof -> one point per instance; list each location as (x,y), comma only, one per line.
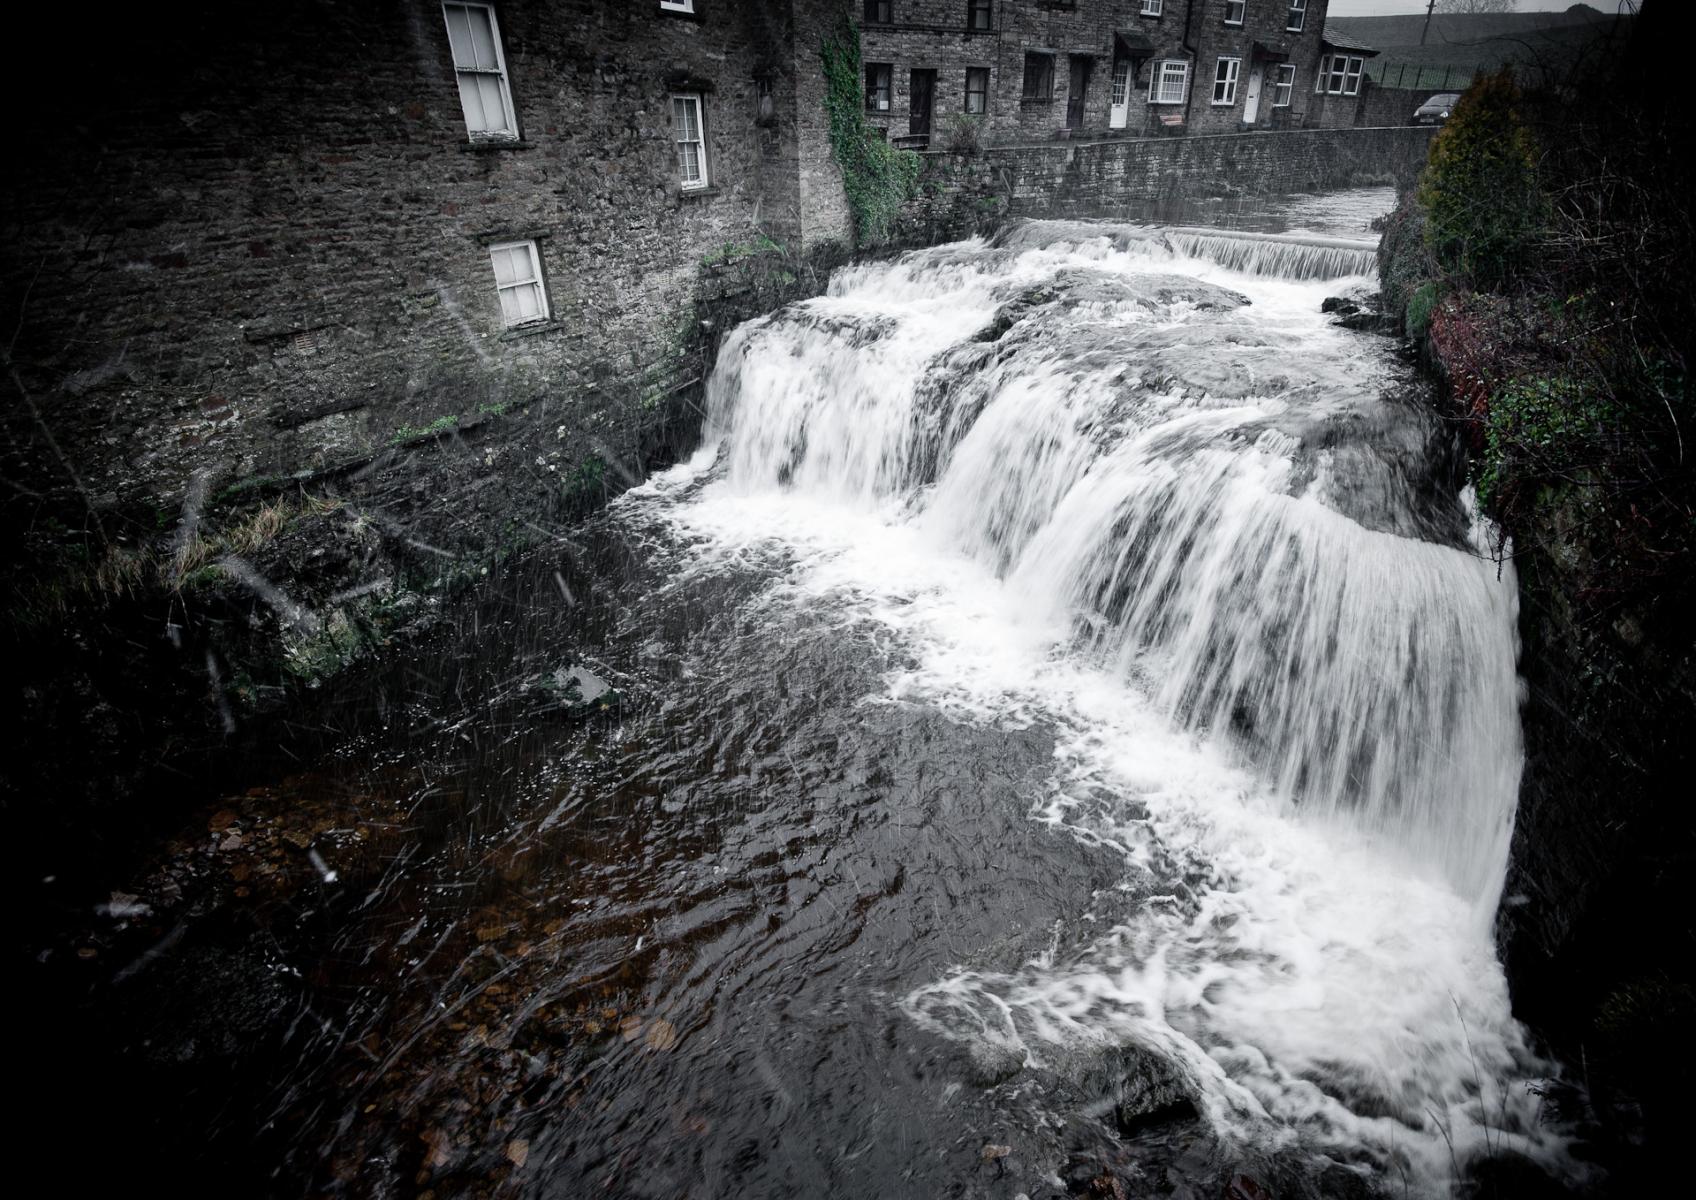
(1342,41)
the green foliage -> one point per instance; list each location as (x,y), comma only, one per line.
(1420,305)
(732,251)
(877,177)
(1543,428)
(413,433)
(583,487)
(963,133)
(1483,204)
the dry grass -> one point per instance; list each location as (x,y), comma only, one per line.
(122,571)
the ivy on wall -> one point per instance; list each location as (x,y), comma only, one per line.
(877,177)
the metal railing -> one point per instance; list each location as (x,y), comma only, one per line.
(1414,76)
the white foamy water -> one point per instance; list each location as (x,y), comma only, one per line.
(1133,486)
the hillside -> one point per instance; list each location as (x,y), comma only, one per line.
(1460,46)
(1393,33)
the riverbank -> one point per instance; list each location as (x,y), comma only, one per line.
(1563,361)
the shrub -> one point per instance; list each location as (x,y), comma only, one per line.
(1483,205)
(1419,308)
(962,134)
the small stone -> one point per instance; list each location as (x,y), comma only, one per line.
(517,1151)
(993,1152)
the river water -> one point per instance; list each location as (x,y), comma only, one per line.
(1064,728)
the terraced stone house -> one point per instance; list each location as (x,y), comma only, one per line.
(946,74)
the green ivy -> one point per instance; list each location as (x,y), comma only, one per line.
(878,178)
(1544,428)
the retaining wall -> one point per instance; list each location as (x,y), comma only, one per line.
(1133,179)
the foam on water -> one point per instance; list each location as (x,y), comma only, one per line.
(1158,504)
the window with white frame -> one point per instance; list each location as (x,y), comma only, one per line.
(480,68)
(1234,11)
(678,6)
(1121,95)
(1151,8)
(1339,74)
(1298,16)
(689,132)
(1225,77)
(518,280)
(1169,82)
(1283,85)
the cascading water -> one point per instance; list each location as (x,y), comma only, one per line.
(1130,485)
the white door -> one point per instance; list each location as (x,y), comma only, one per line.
(1119,110)
(1251,106)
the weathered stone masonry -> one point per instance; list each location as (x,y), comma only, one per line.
(1132,179)
(256,242)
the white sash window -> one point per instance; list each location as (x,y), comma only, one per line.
(1225,77)
(484,91)
(688,130)
(518,279)
(1169,82)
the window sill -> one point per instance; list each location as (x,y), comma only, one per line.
(697,193)
(681,15)
(488,144)
(530,330)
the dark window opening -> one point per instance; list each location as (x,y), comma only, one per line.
(1039,78)
(878,86)
(879,12)
(977,89)
(980,15)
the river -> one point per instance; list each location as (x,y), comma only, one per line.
(1063,728)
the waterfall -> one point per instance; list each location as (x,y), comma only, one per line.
(1222,545)
(1218,505)
(1285,256)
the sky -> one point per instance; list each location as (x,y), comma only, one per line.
(1390,8)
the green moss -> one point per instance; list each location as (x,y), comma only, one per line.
(1420,306)
(877,177)
(412,433)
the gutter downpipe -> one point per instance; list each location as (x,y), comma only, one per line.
(1195,62)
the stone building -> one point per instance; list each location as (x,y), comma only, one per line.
(950,73)
(262,241)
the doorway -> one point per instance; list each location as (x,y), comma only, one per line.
(1119,102)
(921,95)
(1076,91)
(1251,105)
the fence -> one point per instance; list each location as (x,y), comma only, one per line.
(1436,77)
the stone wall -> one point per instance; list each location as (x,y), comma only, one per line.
(253,242)
(1132,178)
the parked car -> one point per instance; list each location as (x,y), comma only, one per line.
(1437,109)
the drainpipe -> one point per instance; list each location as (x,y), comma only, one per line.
(1195,62)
